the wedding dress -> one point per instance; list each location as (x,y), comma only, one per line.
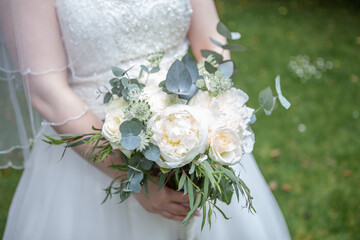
(61,199)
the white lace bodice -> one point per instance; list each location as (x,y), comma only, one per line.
(99,34)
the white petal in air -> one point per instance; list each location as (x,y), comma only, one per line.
(284,102)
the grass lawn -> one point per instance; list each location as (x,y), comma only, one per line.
(309,154)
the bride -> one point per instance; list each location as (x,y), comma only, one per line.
(63,50)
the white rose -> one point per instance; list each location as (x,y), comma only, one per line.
(225,147)
(118,104)
(216,119)
(157,99)
(180,133)
(113,119)
(232,104)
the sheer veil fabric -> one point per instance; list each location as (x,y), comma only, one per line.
(80,40)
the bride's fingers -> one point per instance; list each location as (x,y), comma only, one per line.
(178,196)
(171,216)
(177,209)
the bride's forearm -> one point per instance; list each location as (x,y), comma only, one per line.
(56,102)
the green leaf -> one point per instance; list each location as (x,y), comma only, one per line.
(206,190)
(152,153)
(107,97)
(125,94)
(114,82)
(155,70)
(190,189)
(118,71)
(135,178)
(144,68)
(134,160)
(223,30)
(217,56)
(203,217)
(191,66)
(219,44)
(266,99)
(234,47)
(209,215)
(227,69)
(210,68)
(146,164)
(178,78)
(125,81)
(130,142)
(130,128)
(182,181)
(146,187)
(162,181)
(222,213)
(193,209)
(192,169)
(123,168)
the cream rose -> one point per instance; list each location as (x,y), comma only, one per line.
(157,99)
(232,104)
(113,119)
(225,147)
(181,134)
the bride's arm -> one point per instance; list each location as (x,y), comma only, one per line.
(32,34)
(203,26)
(35,43)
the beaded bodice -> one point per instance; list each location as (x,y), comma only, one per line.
(99,34)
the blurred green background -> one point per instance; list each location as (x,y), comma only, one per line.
(309,153)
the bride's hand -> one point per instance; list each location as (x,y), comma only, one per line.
(167,202)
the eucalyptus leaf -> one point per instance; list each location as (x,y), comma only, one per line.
(144,68)
(216,42)
(133,86)
(118,71)
(191,66)
(130,142)
(178,78)
(152,153)
(125,94)
(223,30)
(146,164)
(107,97)
(134,160)
(187,96)
(269,111)
(210,68)
(234,47)
(266,98)
(114,82)
(125,82)
(227,69)
(135,179)
(115,90)
(130,128)
(284,102)
(235,35)
(155,70)
(218,57)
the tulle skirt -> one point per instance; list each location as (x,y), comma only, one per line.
(61,199)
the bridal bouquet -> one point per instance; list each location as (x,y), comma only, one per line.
(187,126)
